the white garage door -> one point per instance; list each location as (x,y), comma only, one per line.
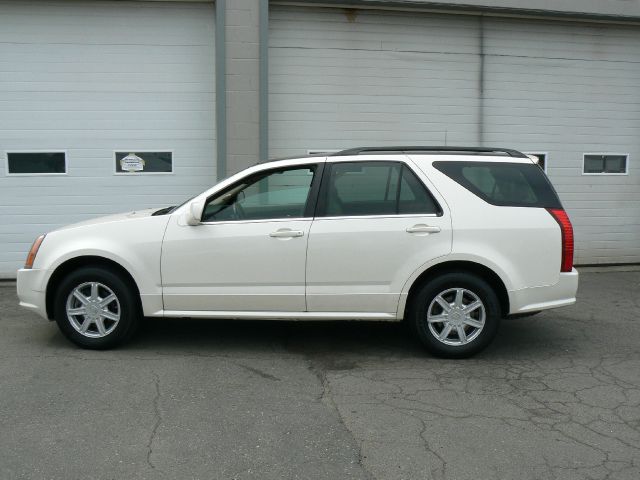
(342,78)
(569,89)
(87,80)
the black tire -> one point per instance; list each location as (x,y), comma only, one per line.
(422,299)
(127,305)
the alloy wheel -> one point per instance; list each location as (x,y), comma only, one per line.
(456,316)
(93,309)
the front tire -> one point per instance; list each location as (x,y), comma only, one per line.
(96,308)
(455,315)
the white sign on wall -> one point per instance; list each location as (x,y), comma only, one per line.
(132,163)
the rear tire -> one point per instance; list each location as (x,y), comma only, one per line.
(96,308)
(455,315)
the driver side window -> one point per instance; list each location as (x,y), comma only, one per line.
(267,195)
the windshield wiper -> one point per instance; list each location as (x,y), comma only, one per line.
(163,211)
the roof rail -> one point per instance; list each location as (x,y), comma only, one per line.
(452,150)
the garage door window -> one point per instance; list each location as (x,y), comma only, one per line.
(36,163)
(140,162)
(542,159)
(605,163)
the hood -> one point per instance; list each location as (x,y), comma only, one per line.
(117,217)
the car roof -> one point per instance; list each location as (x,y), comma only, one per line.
(433,149)
(419,153)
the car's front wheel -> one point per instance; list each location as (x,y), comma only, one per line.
(96,308)
(455,315)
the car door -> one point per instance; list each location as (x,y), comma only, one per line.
(248,253)
(376,223)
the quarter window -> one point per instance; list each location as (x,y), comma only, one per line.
(502,183)
(375,188)
(605,163)
(267,195)
(36,163)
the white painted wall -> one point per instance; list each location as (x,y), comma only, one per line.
(91,77)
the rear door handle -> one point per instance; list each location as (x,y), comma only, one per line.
(286,233)
(422,228)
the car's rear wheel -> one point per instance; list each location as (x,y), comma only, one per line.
(456,315)
(96,308)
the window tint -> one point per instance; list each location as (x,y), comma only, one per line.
(36,162)
(414,197)
(504,184)
(375,188)
(275,194)
(597,163)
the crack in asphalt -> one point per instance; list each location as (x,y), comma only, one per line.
(314,365)
(326,398)
(157,421)
(257,371)
(572,420)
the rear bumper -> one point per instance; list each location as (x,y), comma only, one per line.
(533,299)
(31,293)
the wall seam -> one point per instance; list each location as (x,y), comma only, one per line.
(481,81)
(221,90)
(263,55)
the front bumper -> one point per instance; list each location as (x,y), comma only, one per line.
(533,299)
(31,292)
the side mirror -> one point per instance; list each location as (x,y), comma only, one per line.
(194,212)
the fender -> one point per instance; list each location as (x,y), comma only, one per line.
(453,257)
(134,244)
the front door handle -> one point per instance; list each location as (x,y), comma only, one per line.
(286,233)
(422,228)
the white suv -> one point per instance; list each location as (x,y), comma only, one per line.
(449,239)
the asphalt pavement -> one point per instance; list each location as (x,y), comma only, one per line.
(556,396)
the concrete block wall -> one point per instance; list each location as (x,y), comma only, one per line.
(242,83)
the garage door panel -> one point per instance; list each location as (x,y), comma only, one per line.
(121,57)
(55,22)
(413,81)
(41,121)
(368,63)
(403,85)
(371,30)
(159,80)
(562,40)
(91,78)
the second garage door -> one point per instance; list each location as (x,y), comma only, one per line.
(341,78)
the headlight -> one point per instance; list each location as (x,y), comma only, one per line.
(34,251)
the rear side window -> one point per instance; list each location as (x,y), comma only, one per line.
(504,184)
(374,188)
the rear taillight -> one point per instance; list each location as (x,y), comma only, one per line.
(567,237)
